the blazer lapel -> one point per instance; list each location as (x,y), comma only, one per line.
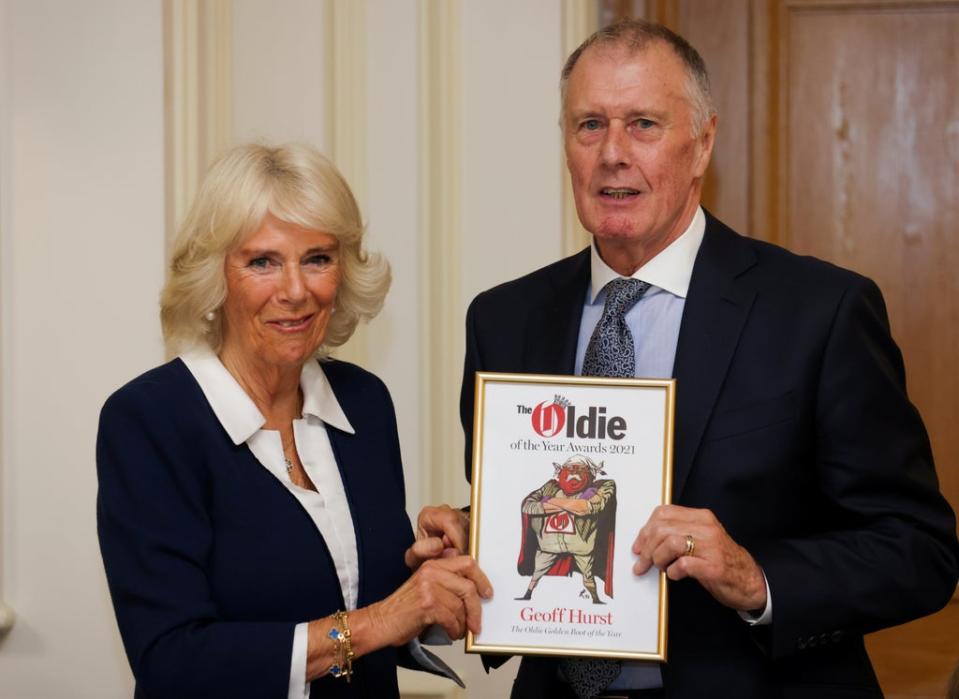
(554,328)
(347,449)
(716,309)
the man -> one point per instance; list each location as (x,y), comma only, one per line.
(571,518)
(807,507)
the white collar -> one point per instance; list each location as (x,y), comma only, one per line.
(670,270)
(237,412)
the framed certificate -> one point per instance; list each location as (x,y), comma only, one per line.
(566,470)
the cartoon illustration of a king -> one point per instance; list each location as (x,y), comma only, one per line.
(570,519)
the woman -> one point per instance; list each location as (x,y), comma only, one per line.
(251,498)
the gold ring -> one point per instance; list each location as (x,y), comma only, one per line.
(690,545)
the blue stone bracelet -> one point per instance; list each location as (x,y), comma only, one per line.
(340,635)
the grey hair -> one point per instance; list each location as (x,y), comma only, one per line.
(294,183)
(636,35)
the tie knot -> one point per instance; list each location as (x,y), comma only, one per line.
(622,294)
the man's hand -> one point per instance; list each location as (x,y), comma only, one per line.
(727,570)
(441,532)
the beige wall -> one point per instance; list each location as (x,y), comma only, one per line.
(82,256)
(83,162)
(280,71)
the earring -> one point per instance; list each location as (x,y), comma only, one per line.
(211,316)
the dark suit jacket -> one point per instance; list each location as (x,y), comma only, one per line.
(211,562)
(793,426)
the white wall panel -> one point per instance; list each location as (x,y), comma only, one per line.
(512,56)
(81,253)
(392,216)
(280,71)
(82,265)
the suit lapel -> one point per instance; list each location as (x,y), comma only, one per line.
(554,327)
(717,306)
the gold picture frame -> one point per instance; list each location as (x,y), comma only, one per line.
(554,458)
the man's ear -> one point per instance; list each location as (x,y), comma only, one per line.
(706,141)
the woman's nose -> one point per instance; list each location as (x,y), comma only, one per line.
(293,287)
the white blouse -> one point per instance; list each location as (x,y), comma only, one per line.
(327,505)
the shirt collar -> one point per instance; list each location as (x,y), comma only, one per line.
(237,412)
(319,399)
(670,270)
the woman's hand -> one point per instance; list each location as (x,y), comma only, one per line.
(444,591)
(441,532)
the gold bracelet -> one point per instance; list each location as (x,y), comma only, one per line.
(340,633)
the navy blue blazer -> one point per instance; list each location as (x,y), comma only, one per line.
(211,562)
(793,426)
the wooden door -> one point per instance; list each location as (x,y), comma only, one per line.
(839,138)
(867,168)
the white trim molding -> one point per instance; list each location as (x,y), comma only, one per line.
(347,92)
(6,613)
(441,312)
(198,82)
(346,112)
(580,19)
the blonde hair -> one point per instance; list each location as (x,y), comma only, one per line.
(294,183)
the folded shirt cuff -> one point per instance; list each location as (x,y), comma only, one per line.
(298,687)
(766,617)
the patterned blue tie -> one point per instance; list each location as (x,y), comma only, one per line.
(610,352)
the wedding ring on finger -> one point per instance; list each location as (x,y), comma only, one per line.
(690,545)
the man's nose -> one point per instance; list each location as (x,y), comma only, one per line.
(615,146)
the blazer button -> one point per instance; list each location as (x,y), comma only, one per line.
(811,642)
(801,643)
(823,639)
(836,636)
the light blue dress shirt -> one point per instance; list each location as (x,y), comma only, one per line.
(654,323)
(654,320)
